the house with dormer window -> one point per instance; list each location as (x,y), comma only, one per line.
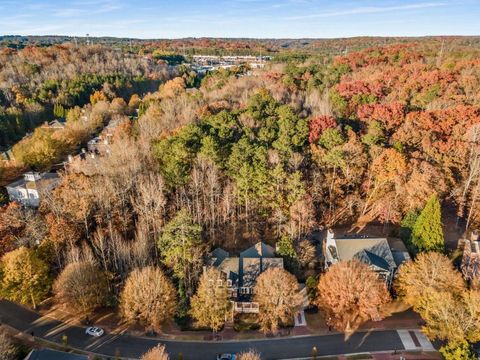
(376,252)
(242,272)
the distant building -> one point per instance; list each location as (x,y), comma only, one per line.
(56,124)
(47,354)
(29,189)
(7,155)
(241,272)
(471,257)
(100,145)
(376,252)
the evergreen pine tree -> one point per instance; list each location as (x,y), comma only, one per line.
(427,234)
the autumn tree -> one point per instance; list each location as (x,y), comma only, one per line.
(81,285)
(181,248)
(156,353)
(8,350)
(25,277)
(318,125)
(11,226)
(306,253)
(458,350)
(210,305)
(286,250)
(249,355)
(427,233)
(430,271)
(278,296)
(148,297)
(351,293)
(451,317)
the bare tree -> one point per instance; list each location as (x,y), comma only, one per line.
(8,351)
(81,285)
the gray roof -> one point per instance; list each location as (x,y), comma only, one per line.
(44,182)
(249,271)
(230,266)
(372,251)
(400,257)
(217,256)
(47,354)
(244,270)
(259,250)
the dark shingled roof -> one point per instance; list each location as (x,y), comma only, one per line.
(372,251)
(244,270)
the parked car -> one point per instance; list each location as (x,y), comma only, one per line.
(94,331)
(226,357)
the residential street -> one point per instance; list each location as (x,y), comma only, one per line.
(127,346)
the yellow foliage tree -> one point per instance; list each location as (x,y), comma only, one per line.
(98,96)
(25,277)
(148,297)
(156,353)
(210,305)
(429,272)
(81,285)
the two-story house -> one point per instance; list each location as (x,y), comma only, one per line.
(28,190)
(241,272)
(373,251)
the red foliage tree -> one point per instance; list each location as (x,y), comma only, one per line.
(390,115)
(318,125)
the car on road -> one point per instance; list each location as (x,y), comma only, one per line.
(226,357)
(94,331)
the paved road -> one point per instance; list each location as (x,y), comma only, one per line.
(132,347)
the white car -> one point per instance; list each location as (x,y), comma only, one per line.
(226,357)
(94,331)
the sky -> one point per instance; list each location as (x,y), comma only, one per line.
(240,18)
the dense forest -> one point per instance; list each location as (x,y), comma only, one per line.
(376,135)
(40,83)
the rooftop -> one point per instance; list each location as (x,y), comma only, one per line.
(374,251)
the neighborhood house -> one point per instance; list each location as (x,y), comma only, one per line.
(241,272)
(28,190)
(373,251)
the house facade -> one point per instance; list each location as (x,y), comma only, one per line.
(28,190)
(376,252)
(471,257)
(241,272)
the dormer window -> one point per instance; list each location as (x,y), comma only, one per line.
(31,176)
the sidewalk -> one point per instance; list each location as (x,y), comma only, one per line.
(387,356)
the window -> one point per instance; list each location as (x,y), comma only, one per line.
(244,290)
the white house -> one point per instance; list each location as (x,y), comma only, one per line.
(29,189)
